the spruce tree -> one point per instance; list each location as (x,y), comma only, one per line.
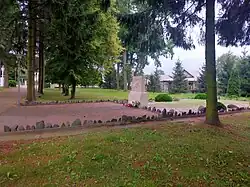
(234,83)
(154,84)
(179,84)
(202,80)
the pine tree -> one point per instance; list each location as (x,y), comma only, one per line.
(202,80)
(234,83)
(154,82)
(179,84)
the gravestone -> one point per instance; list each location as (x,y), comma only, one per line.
(138,91)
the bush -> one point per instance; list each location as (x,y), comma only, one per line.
(163,98)
(221,106)
(12,83)
(202,96)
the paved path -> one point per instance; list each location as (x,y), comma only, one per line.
(8,98)
(11,114)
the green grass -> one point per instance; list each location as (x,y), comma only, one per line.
(174,154)
(1,89)
(96,93)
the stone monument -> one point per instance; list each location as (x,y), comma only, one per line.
(138,91)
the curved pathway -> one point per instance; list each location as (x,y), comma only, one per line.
(11,114)
(9,98)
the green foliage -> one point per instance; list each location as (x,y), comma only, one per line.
(244,73)
(79,55)
(154,82)
(234,84)
(225,65)
(179,84)
(12,83)
(163,98)
(47,85)
(202,96)
(202,87)
(221,106)
(142,40)
(110,79)
(230,31)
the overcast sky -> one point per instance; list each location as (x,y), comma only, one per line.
(192,60)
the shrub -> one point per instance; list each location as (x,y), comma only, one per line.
(221,106)
(163,98)
(12,83)
(202,96)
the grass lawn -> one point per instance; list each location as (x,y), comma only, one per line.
(96,93)
(174,154)
(1,89)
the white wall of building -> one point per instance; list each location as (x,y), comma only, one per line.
(2,76)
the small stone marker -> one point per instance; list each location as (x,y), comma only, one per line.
(48,125)
(76,123)
(7,128)
(164,113)
(40,125)
(56,126)
(21,128)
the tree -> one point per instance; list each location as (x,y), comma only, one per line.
(202,80)
(140,45)
(234,84)
(92,45)
(154,82)
(244,73)
(179,84)
(225,65)
(212,116)
(12,35)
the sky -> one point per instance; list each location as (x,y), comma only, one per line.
(192,60)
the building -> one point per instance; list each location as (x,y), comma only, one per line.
(23,75)
(1,75)
(167,82)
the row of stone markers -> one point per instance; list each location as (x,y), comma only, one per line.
(34,103)
(78,123)
(200,111)
(160,115)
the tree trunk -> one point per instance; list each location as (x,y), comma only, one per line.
(66,90)
(41,59)
(118,77)
(34,64)
(6,75)
(29,96)
(63,88)
(212,117)
(125,78)
(73,90)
